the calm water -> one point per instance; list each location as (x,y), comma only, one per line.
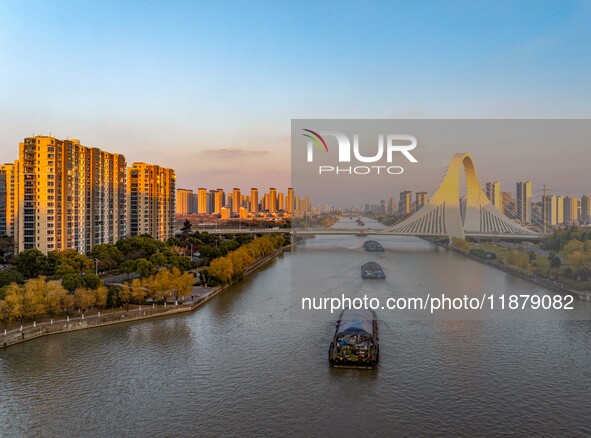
(243,364)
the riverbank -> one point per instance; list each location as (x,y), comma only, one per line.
(547,283)
(199,295)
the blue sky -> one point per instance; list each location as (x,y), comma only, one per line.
(209,88)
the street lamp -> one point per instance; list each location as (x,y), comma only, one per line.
(96,261)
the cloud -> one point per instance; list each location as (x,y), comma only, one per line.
(234,152)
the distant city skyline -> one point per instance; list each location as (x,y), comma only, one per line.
(210,89)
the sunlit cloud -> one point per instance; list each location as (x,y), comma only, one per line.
(234,152)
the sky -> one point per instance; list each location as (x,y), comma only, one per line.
(210,88)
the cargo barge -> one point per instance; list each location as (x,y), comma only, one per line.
(372,270)
(373,246)
(355,342)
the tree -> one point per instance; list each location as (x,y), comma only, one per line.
(127,267)
(55,298)
(11,305)
(554,260)
(182,282)
(178,250)
(72,281)
(162,284)
(70,261)
(221,269)
(6,247)
(101,295)
(108,256)
(159,260)
(92,281)
(138,291)
(8,276)
(125,295)
(139,247)
(182,263)
(517,259)
(34,302)
(460,244)
(32,263)
(84,298)
(145,268)
(186,228)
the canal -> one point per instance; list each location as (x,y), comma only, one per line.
(247,363)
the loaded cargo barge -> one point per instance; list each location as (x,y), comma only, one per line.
(372,270)
(355,342)
(373,246)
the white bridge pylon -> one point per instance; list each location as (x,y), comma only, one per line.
(443,216)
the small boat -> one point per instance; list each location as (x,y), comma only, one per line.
(373,246)
(355,342)
(372,270)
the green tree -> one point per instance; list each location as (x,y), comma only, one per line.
(555,261)
(145,268)
(159,260)
(71,262)
(72,281)
(108,256)
(8,276)
(6,247)
(186,228)
(139,247)
(32,263)
(127,267)
(92,281)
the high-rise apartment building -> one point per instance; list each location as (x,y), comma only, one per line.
(184,201)
(523,202)
(571,210)
(421,199)
(281,202)
(217,201)
(405,204)
(585,209)
(554,210)
(107,211)
(151,207)
(236,200)
(391,208)
(8,198)
(289,200)
(202,201)
(272,204)
(254,200)
(493,193)
(69,196)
